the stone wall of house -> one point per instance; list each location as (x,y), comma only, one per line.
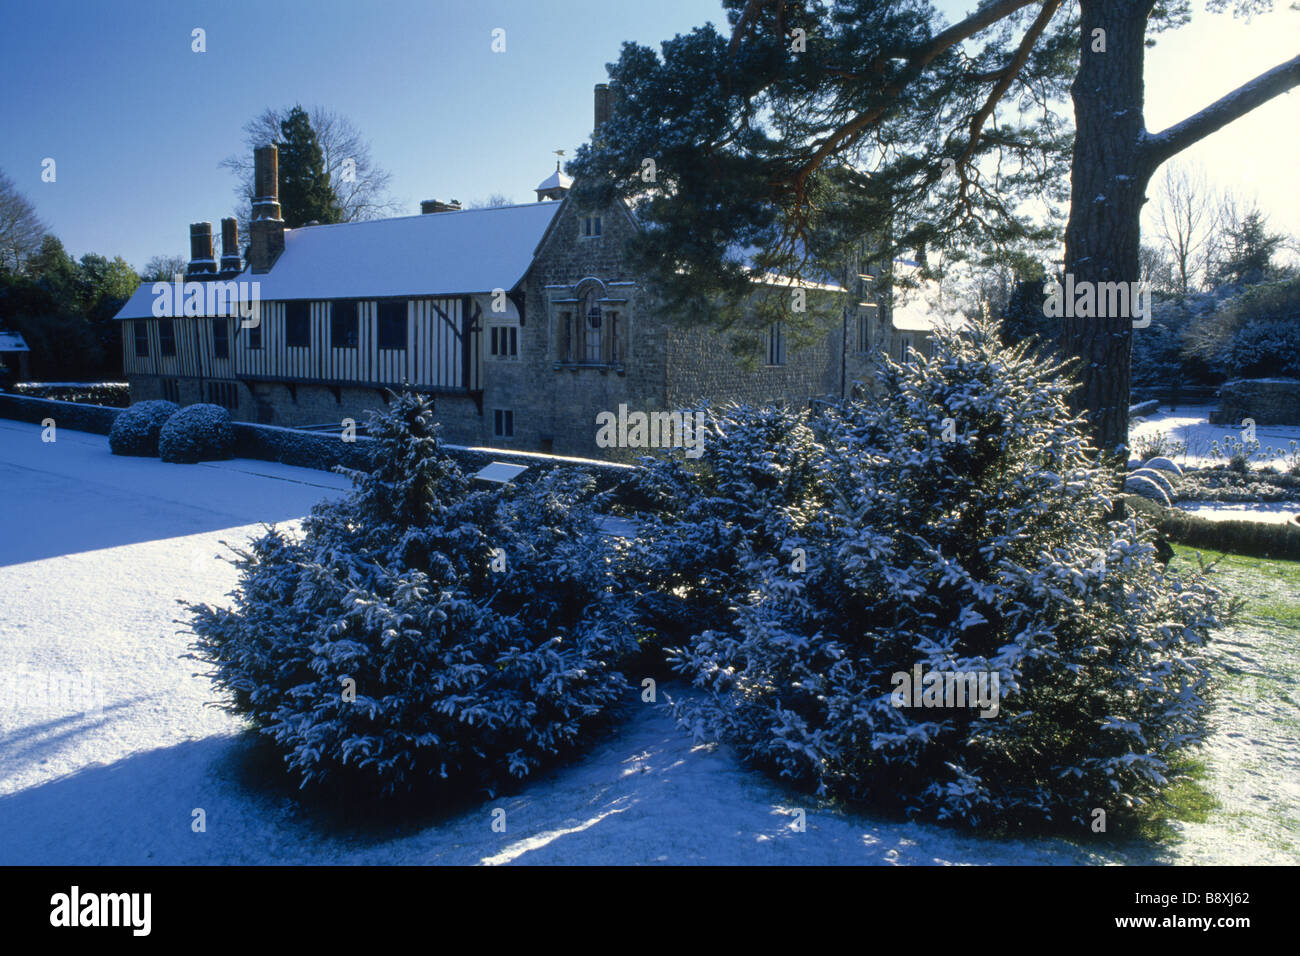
(1269,401)
(705,365)
(667,366)
(554,408)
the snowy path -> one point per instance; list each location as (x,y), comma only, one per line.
(107,746)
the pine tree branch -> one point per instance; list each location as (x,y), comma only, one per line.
(744,23)
(1009,75)
(1158,147)
(917,61)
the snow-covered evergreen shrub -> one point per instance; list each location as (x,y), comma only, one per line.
(135,430)
(1269,349)
(197,433)
(423,633)
(754,485)
(967,529)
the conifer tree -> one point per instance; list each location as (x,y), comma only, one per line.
(959,525)
(424,635)
(305,191)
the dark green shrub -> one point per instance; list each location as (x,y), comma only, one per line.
(961,526)
(197,433)
(424,635)
(136,430)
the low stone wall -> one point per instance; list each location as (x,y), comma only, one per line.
(321,451)
(1269,401)
(325,450)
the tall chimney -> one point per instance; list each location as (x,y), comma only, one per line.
(266,231)
(229,246)
(603,105)
(202,262)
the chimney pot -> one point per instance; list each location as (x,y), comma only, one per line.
(266,182)
(230,246)
(266,231)
(202,261)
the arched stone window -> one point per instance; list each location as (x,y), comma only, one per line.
(589,326)
(592,327)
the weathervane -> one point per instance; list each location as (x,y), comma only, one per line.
(560,153)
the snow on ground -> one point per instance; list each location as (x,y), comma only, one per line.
(1190,425)
(1269,512)
(108,745)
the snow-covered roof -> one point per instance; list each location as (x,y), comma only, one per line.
(442,253)
(748,255)
(143,299)
(918,315)
(140,305)
(921,309)
(12,342)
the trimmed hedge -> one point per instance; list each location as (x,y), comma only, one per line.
(1258,539)
(136,431)
(111,394)
(304,449)
(196,433)
(96,419)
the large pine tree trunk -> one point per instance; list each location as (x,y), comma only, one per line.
(1108,188)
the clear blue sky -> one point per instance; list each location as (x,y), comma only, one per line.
(137,122)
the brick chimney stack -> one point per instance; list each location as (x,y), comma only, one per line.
(202,261)
(266,231)
(604,103)
(437,205)
(230,263)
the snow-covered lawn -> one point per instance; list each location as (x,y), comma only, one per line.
(108,746)
(1190,425)
(1269,512)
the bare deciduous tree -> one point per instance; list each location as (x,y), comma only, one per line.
(1158,270)
(163,268)
(360,185)
(492,202)
(1187,217)
(21,230)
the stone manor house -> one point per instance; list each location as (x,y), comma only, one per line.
(523,322)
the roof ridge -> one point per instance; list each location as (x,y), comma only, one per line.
(423,215)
